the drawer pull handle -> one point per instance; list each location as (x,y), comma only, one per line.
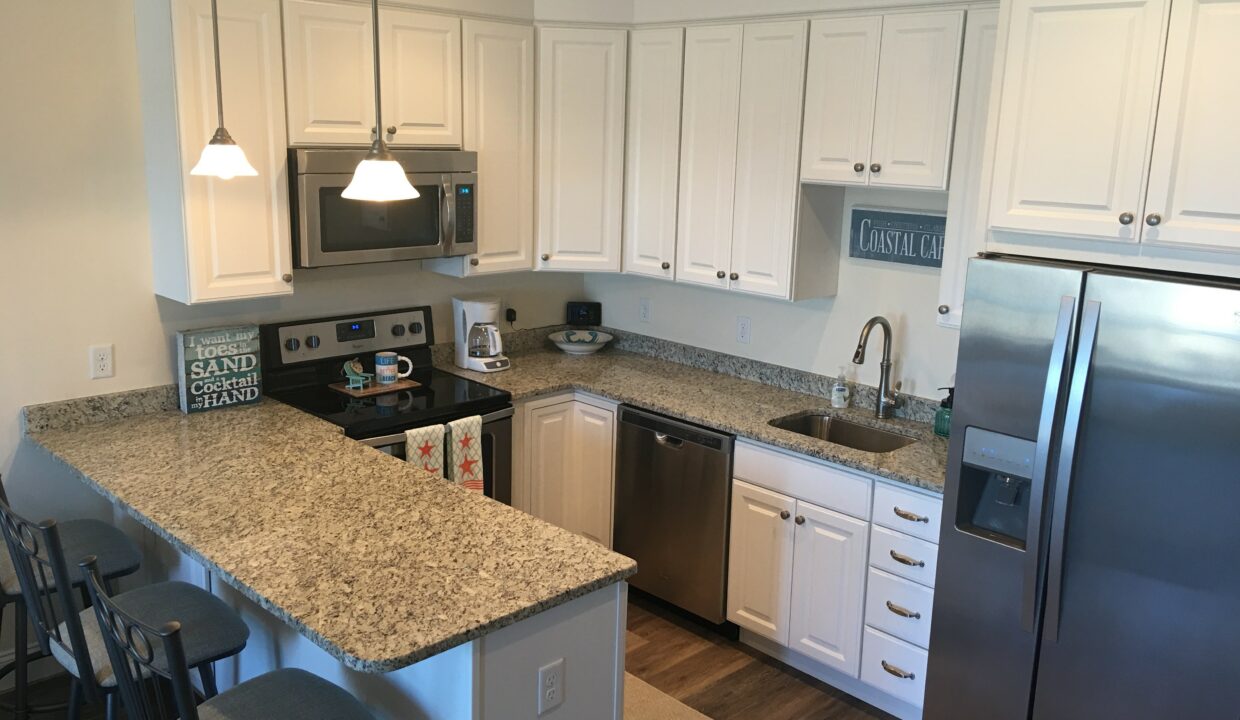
(893,670)
(906,560)
(911,517)
(903,612)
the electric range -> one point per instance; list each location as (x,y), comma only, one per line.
(302,358)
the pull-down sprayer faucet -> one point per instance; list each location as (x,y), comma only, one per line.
(888,399)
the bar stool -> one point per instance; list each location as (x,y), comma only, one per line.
(72,636)
(142,651)
(118,557)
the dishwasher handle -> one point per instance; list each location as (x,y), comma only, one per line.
(668,441)
(675,434)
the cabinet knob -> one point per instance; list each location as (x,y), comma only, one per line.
(943,309)
(800,520)
(721,274)
(1125,218)
(287,277)
(734,277)
(545,257)
(666,266)
(473,261)
(874,168)
(1153,219)
(391,129)
(858,167)
(784,514)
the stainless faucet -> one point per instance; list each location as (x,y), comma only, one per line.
(888,399)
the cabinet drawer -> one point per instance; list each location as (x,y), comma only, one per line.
(909,512)
(902,555)
(820,484)
(891,600)
(884,660)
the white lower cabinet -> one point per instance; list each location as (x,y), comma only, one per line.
(814,583)
(567,464)
(828,584)
(760,560)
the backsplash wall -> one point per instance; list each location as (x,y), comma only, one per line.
(817,336)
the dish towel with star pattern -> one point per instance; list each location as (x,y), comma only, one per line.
(464,457)
(424,448)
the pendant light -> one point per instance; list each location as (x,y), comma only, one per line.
(379,178)
(221,158)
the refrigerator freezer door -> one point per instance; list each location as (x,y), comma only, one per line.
(1015,339)
(1144,623)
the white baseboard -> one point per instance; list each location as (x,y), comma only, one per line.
(836,679)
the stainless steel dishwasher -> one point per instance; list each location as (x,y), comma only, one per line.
(673,490)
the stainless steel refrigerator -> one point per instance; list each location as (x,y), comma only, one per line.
(1089,561)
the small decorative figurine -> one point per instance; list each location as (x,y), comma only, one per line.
(357,377)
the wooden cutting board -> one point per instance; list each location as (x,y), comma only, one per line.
(375,388)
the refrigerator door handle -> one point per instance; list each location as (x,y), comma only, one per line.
(1037,490)
(1067,458)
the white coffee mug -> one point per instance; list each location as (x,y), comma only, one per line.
(387,366)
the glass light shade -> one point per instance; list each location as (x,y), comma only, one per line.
(224,160)
(379,181)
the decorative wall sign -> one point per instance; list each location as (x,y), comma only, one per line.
(218,367)
(912,238)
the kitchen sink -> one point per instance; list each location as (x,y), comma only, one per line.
(843,432)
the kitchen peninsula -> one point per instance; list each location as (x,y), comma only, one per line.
(422,599)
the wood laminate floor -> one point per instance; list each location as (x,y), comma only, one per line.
(725,680)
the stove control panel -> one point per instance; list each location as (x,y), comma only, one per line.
(316,340)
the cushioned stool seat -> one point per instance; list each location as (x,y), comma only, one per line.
(118,555)
(210,629)
(284,695)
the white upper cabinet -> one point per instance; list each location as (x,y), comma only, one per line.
(710,118)
(331,96)
(768,151)
(916,100)
(1194,189)
(880,100)
(653,151)
(581,93)
(1080,88)
(499,126)
(839,99)
(330,82)
(420,54)
(965,233)
(214,239)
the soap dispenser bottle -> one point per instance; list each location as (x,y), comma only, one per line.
(943,416)
(839,391)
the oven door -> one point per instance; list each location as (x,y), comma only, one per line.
(333,230)
(496,453)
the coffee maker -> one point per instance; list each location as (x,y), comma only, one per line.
(478,343)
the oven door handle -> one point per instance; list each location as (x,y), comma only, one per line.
(400,437)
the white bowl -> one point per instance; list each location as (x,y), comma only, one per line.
(580,342)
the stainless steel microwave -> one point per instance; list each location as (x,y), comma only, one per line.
(331,230)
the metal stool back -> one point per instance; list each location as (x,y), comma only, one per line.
(139,653)
(47,589)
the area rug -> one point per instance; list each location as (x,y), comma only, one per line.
(643,702)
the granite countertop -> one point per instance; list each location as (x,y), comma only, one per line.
(376,561)
(719,401)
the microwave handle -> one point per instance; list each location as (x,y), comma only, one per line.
(447,213)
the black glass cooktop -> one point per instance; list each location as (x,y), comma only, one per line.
(441,397)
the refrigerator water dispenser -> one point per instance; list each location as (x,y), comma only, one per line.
(994,486)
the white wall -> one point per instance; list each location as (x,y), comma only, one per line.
(813,335)
(75,263)
(664,11)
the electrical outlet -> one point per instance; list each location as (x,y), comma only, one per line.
(744,329)
(550,686)
(101,362)
(643,310)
